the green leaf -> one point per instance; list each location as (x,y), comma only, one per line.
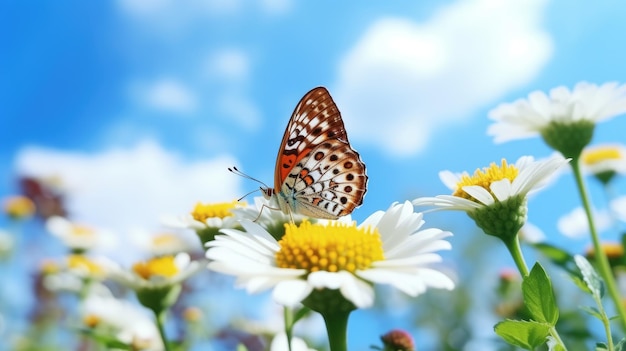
(592,311)
(600,346)
(557,255)
(577,278)
(301,313)
(539,297)
(525,334)
(590,277)
(620,345)
(242,347)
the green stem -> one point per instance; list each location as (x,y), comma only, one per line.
(601,259)
(337,329)
(557,337)
(288,316)
(607,329)
(516,252)
(160,321)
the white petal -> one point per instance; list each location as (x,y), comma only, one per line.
(358,292)
(291,292)
(409,261)
(324,279)
(479,193)
(501,189)
(447,202)
(405,282)
(449,179)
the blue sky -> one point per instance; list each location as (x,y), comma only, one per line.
(140,106)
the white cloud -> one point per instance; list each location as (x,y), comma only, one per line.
(229,64)
(167,95)
(276,7)
(120,189)
(172,10)
(575,225)
(143,7)
(618,206)
(410,78)
(240,109)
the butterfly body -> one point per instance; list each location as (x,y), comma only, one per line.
(318,174)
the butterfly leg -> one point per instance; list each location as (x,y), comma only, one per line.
(261,211)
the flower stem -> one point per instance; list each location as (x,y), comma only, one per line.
(288,316)
(337,329)
(516,252)
(601,259)
(160,321)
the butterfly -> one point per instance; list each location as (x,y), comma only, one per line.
(318,174)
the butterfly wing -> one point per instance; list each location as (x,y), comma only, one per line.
(330,183)
(318,174)
(315,119)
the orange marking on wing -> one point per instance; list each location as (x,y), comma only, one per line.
(287,162)
(306,177)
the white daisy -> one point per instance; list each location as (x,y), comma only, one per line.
(530,117)
(125,321)
(387,248)
(157,273)
(493,184)
(206,219)
(79,237)
(212,215)
(495,188)
(163,243)
(604,160)
(267,214)
(279,343)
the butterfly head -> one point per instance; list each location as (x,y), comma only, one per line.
(268,193)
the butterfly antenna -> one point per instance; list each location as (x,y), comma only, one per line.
(234,170)
(248,193)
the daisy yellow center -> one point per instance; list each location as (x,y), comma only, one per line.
(19,207)
(91,320)
(49,267)
(611,250)
(80,262)
(600,154)
(160,266)
(82,230)
(165,239)
(220,210)
(192,314)
(333,248)
(484,177)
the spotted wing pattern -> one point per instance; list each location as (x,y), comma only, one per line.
(318,174)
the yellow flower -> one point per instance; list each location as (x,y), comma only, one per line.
(159,266)
(158,272)
(202,212)
(18,207)
(85,266)
(604,161)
